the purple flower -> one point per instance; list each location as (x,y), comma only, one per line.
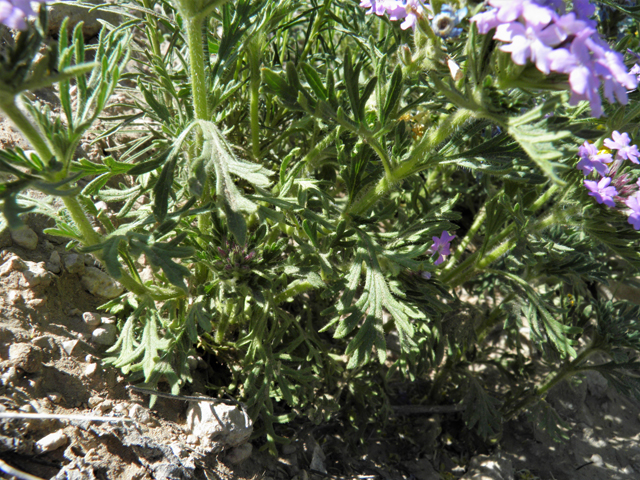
(601,191)
(409,10)
(441,246)
(634,217)
(591,159)
(14,12)
(620,141)
(584,8)
(530,42)
(374,6)
(635,70)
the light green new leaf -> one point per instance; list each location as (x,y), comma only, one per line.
(217,154)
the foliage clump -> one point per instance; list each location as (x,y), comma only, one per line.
(333,204)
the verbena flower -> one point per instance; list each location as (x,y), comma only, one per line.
(409,10)
(620,142)
(591,159)
(441,246)
(13,13)
(634,204)
(445,23)
(601,191)
(563,43)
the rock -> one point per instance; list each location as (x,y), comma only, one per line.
(94,401)
(597,385)
(89,261)
(74,263)
(318,459)
(423,470)
(69,345)
(105,335)
(55,397)
(90,369)
(10,376)
(233,428)
(240,453)
(36,275)
(141,415)
(100,284)
(52,442)
(490,467)
(91,27)
(109,319)
(192,361)
(14,297)
(26,356)
(91,319)
(13,263)
(25,238)
(54,265)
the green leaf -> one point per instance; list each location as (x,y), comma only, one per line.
(481,410)
(368,309)
(218,156)
(160,254)
(394,90)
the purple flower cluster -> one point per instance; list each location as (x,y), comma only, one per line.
(541,32)
(616,186)
(407,10)
(14,12)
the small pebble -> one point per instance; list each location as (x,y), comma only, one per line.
(26,356)
(74,311)
(105,406)
(25,238)
(90,369)
(239,454)
(52,442)
(110,319)
(69,345)
(55,397)
(37,302)
(74,263)
(140,414)
(105,335)
(54,264)
(192,361)
(94,401)
(100,284)
(92,319)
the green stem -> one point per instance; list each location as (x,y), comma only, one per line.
(314,31)
(566,371)
(193,27)
(27,129)
(464,243)
(472,264)
(414,164)
(292,291)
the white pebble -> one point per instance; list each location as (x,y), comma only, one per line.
(92,319)
(52,442)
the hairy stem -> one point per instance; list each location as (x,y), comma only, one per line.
(27,129)
(411,166)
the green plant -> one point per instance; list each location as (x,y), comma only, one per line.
(289,172)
